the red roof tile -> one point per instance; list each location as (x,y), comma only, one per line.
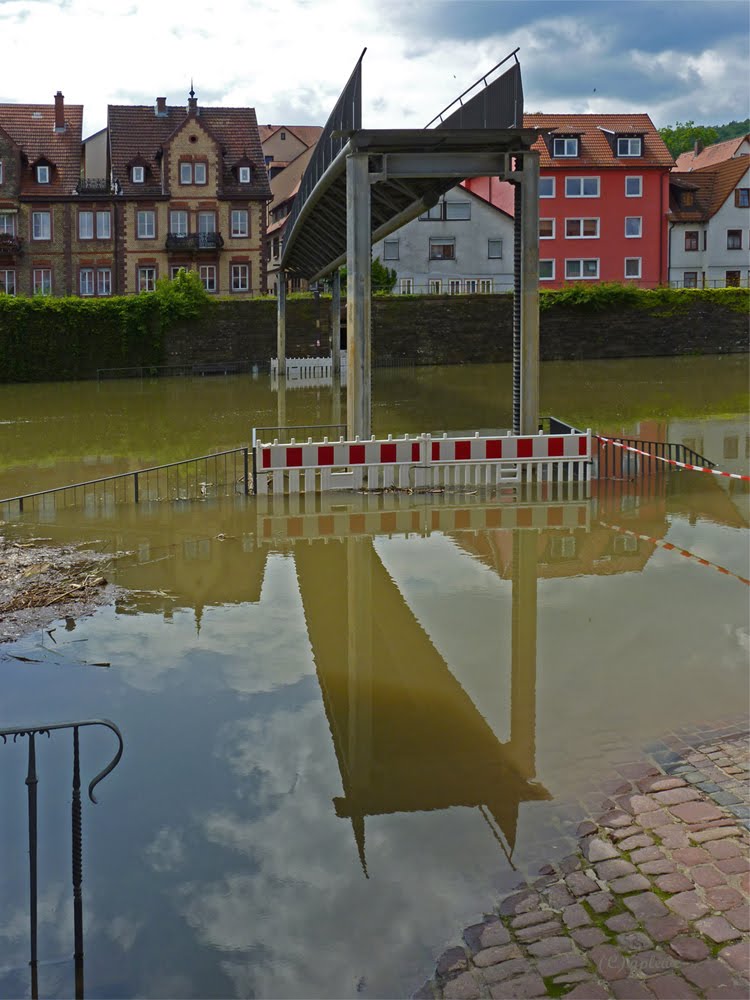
(136,130)
(595,150)
(711,185)
(711,155)
(309,134)
(32,128)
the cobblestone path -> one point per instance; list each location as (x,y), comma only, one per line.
(655,903)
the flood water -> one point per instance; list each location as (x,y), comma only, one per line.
(349,725)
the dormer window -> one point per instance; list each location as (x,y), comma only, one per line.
(565,147)
(687,199)
(138,174)
(244,175)
(629,146)
(42,174)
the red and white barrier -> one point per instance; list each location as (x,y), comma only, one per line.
(672,461)
(419,461)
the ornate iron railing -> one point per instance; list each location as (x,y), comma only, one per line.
(195,241)
(94,185)
(32,780)
(10,244)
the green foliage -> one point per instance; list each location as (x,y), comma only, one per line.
(682,136)
(610,296)
(383,278)
(732,130)
(62,338)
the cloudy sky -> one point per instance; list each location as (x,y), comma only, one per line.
(675,59)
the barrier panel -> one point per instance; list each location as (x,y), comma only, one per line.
(308,369)
(419,461)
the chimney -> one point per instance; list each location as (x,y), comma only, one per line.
(161,107)
(698,147)
(59,112)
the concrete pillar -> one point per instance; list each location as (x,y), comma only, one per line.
(522,746)
(281,324)
(529,423)
(336,322)
(358,297)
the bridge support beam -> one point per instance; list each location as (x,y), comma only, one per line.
(281,324)
(336,322)
(529,423)
(358,297)
(522,746)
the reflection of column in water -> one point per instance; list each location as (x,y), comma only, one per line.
(336,402)
(522,746)
(359,556)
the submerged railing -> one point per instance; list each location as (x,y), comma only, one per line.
(220,474)
(32,781)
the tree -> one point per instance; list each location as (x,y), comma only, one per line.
(383,278)
(682,136)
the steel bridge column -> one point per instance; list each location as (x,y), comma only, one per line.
(358,297)
(522,747)
(281,324)
(529,422)
(336,322)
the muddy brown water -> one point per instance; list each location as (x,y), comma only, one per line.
(348,725)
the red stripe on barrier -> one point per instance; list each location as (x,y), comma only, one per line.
(672,461)
(325,454)
(525,448)
(555,447)
(388,453)
(293,457)
(462,451)
(265,460)
(356,454)
(493,449)
(435,451)
(583,445)
(415,456)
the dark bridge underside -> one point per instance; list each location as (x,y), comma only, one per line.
(420,158)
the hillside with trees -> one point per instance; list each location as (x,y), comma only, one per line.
(682,136)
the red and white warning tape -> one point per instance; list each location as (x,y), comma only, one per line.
(660,543)
(672,461)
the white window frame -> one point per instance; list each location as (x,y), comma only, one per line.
(581,235)
(40,230)
(435,286)
(200,173)
(244,175)
(7,223)
(455,286)
(242,216)
(143,230)
(85,231)
(569,145)
(634,177)
(8,281)
(547,277)
(444,241)
(240,277)
(582,182)
(146,278)
(202,218)
(175,269)
(186,172)
(490,254)
(486,286)
(178,216)
(471,286)
(629,141)
(552,235)
(552,186)
(457,211)
(42,173)
(633,260)
(104,281)
(738,232)
(406,286)
(207,274)
(434,214)
(684,279)
(101,218)
(581,276)
(42,281)
(86,282)
(639,220)
(390,249)
(138,174)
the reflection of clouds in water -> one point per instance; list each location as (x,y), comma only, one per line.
(247,648)
(289,912)
(166,852)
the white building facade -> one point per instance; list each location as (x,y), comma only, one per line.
(463,245)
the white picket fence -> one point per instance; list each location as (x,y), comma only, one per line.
(419,461)
(315,371)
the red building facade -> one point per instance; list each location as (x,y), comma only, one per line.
(604,198)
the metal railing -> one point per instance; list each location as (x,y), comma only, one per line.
(194,241)
(32,780)
(207,476)
(94,185)
(10,244)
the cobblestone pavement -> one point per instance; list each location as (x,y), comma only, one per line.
(655,903)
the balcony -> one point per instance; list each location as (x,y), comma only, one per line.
(10,245)
(94,185)
(195,241)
